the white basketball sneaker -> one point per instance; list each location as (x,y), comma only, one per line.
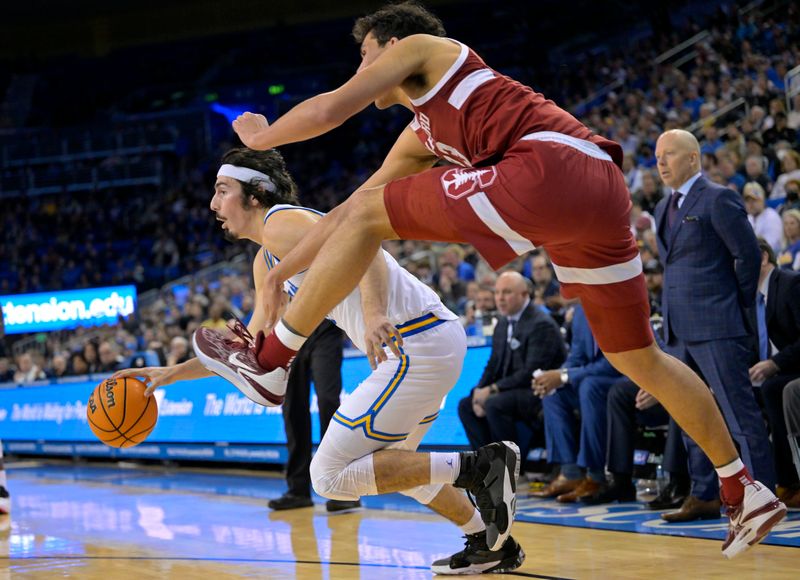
(751,520)
(235,361)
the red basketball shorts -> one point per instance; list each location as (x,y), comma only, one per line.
(552,191)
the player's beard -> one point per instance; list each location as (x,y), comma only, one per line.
(229,236)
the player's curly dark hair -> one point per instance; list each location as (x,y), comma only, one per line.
(271,163)
(398,20)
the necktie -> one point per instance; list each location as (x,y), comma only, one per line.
(761,318)
(507,351)
(672,210)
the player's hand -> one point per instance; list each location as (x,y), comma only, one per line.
(377,332)
(153,377)
(546,383)
(480,395)
(763,370)
(247,127)
(479,411)
(645,400)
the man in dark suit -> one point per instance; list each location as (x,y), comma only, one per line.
(778,316)
(581,384)
(524,340)
(711,266)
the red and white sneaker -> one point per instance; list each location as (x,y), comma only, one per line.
(751,520)
(235,361)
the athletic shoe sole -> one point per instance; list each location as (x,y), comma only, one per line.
(755,534)
(503,495)
(508,564)
(207,342)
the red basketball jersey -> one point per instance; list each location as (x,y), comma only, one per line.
(474,114)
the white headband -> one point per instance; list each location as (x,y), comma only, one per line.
(247,175)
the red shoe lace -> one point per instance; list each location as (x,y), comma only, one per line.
(238,328)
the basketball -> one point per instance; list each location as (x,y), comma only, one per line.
(120,414)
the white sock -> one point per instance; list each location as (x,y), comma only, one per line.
(731,468)
(474,525)
(445,467)
(288,337)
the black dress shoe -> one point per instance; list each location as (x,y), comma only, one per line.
(671,497)
(289,501)
(338,506)
(622,492)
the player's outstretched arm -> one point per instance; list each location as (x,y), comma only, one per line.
(322,113)
(407,157)
(155,377)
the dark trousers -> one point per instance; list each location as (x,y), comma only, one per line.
(589,397)
(623,418)
(503,410)
(320,359)
(791,410)
(772,395)
(723,366)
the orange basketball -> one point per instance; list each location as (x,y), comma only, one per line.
(119,413)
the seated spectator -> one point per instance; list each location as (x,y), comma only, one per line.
(481,315)
(59,367)
(765,221)
(215,318)
(581,384)
(178,351)
(790,169)
(654,277)
(546,291)
(524,339)
(6,372)
(629,406)
(792,196)
(789,256)
(449,288)
(755,167)
(780,131)
(78,364)
(109,359)
(779,353)
(91,358)
(27,370)
(650,193)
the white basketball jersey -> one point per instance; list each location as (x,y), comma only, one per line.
(408,297)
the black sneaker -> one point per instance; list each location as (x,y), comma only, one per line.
(339,506)
(476,558)
(490,474)
(290,501)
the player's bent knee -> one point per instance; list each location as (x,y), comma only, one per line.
(348,483)
(424,494)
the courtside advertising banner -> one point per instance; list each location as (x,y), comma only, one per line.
(48,311)
(204,411)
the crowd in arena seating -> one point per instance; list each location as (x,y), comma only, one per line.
(148,237)
(155,236)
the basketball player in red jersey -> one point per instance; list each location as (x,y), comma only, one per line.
(526,173)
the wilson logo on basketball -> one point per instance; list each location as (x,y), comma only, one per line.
(459,182)
(110,402)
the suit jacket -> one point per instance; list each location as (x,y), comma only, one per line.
(585,357)
(783,318)
(711,265)
(538,346)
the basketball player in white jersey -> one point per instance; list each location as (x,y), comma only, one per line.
(527,174)
(369,447)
